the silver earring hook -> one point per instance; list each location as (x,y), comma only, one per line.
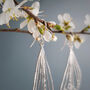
(70,43)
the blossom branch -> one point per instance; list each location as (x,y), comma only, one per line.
(47,24)
(27,32)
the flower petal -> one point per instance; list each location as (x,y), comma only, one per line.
(78,44)
(36,7)
(53,22)
(71,24)
(4,18)
(33,29)
(7,17)
(32,26)
(60,18)
(87,20)
(36,34)
(47,36)
(23,2)
(67,17)
(23,24)
(8,4)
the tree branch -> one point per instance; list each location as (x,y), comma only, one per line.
(43,22)
(15,30)
(27,32)
(47,24)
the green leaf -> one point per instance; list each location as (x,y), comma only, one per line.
(58,27)
(89,27)
(41,30)
(66,28)
(85,29)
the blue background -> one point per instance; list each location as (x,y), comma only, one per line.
(18,61)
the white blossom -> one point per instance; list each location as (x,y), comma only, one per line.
(31,25)
(54,23)
(66,21)
(35,11)
(10,11)
(76,43)
(36,7)
(47,36)
(4,18)
(32,28)
(87,20)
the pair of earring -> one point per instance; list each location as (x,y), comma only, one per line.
(43,78)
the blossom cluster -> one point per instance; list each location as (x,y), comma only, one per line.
(10,11)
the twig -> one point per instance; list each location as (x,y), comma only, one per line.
(27,32)
(15,30)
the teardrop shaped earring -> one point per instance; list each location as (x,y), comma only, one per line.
(72,74)
(43,78)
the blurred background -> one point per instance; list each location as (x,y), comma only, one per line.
(18,61)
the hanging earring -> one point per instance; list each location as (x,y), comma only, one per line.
(72,74)
(43,78)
